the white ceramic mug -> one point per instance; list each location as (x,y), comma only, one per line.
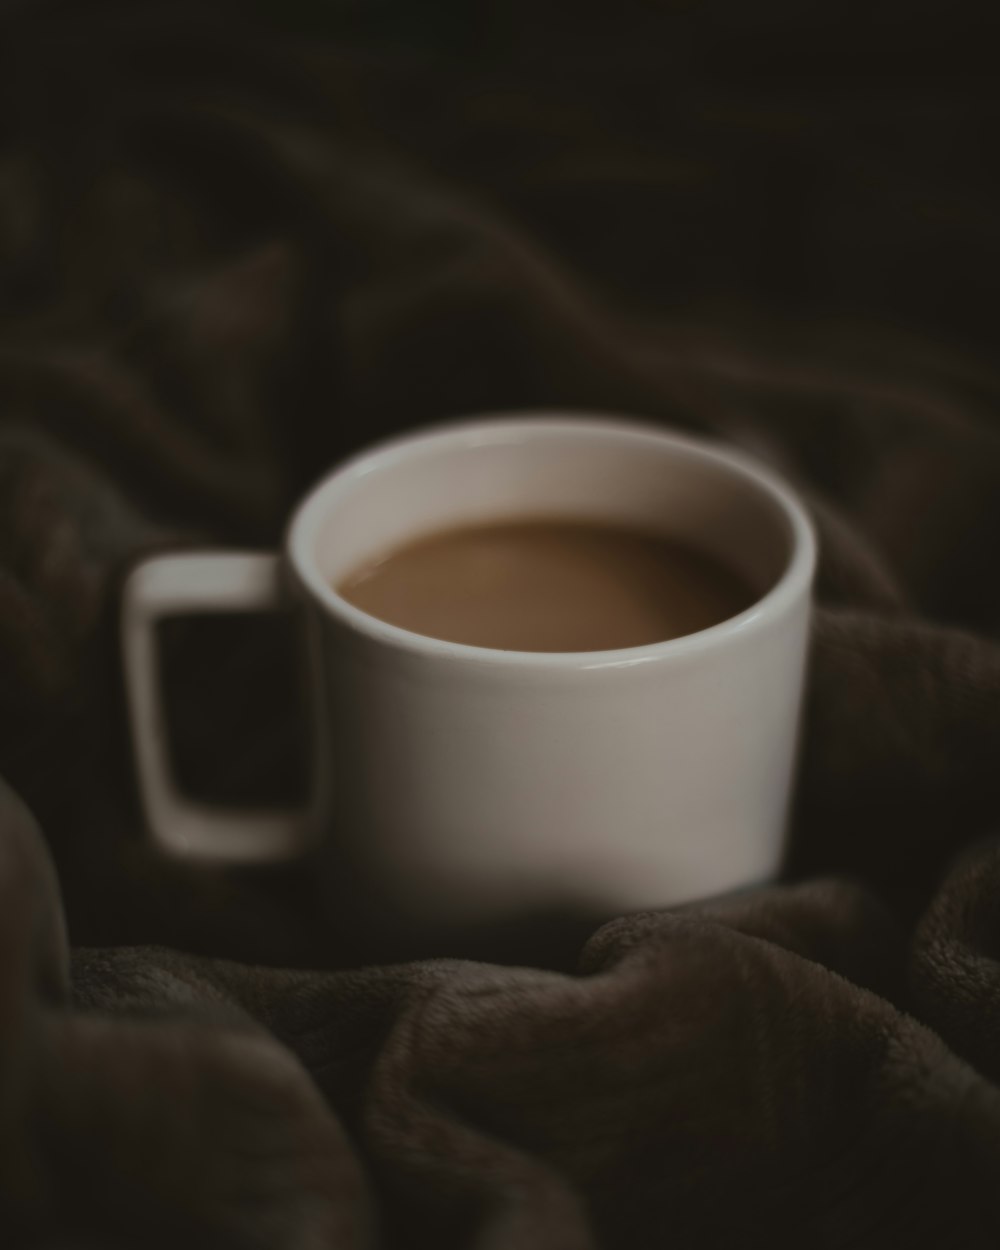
(467,781)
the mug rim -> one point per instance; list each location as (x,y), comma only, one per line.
(500,427)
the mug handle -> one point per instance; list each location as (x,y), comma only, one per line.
(183,583)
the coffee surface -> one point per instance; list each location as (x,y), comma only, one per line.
(547,586)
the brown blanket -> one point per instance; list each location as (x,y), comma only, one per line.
(231,254)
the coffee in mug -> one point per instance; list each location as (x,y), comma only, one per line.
(574,740)
(547,585)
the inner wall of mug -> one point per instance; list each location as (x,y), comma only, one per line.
(608,474)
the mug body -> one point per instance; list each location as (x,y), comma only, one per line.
(469,782)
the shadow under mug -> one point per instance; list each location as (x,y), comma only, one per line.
(459,782)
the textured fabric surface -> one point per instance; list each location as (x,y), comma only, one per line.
(229,255)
